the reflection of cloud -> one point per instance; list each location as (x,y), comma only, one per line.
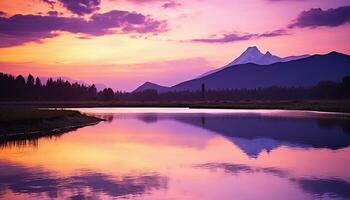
(318,187)
(242,168)
(20,179)
(127,185)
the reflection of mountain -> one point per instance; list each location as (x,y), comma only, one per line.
(254,134)
(253,147)
(36,181)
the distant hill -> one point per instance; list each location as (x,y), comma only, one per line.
(303,72)
(254,55)
(151,86)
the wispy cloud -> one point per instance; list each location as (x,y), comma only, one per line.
(234,37)
(171,4)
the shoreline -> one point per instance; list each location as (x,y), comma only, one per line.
(29,123)
(339,106)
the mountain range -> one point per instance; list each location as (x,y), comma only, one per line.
(253,69)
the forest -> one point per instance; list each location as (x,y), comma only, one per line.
(32,89)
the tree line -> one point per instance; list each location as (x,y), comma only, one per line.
(32,89)
(323,90)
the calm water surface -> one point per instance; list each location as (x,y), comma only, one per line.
(185,154)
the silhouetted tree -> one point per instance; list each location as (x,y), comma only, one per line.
(18,89)
(107,94)
(203,91)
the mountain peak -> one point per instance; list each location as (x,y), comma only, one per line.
(148,83)
(151,86)
(253,51)
(268,53)
(253,48)
(253,55)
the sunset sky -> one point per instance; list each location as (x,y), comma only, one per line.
(124,43)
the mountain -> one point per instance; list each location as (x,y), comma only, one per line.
(290,58)
(303,72)
(151,86)
(254,55)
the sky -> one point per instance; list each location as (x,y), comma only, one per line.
(124,43)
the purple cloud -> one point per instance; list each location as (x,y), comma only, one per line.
(2,13)
(171,4)
(78,7)
(225,38)
(50,2)
(317,17)
(15,40)
(274,33)
(81,7)
(234,37)
(52,13)
(19,29)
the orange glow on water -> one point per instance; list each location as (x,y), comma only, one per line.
(192,160)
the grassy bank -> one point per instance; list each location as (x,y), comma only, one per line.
(315,105)
(26,122)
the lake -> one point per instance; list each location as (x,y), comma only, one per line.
(180,153)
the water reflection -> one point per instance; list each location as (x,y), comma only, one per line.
(254,134)
(242,168)
(317,187)
(334,188)
(35,180)
(184,155)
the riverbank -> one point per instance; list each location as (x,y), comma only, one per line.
(311,105)
(18,122)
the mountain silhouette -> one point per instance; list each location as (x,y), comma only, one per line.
(151,86)
(254,55)
(304,72)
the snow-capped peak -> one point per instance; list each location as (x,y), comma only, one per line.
(253,55)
